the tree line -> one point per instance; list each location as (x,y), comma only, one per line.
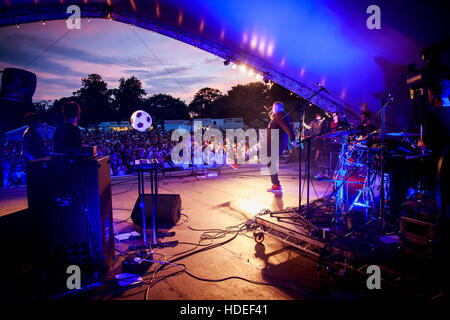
(251,101)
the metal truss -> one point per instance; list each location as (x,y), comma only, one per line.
(13,16)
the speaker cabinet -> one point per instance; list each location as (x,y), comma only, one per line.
(167,214)
(70,205)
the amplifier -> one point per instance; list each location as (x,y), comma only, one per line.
(419,237)
(70,205)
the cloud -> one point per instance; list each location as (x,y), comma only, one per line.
(212,60)
(177,69)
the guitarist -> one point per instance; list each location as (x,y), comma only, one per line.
(279,120)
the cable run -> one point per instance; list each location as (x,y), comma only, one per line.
(48,48)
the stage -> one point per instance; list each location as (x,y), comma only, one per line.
(225,198)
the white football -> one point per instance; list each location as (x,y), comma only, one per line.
(141,120)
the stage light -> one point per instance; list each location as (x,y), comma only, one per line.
(17,26)
(250,73)
(243,68)
(258,77)
(233,66)
(43,22)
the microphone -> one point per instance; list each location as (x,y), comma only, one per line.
(348,124)
(322,87)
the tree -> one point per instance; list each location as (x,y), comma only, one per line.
(204,103)
(128,96)
(95,100)
(246,101)
(165,107)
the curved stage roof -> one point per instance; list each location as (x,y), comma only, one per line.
(295,43)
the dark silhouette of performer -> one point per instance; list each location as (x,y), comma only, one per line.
(33,144)
(436,138)
(279,121)
(67,137)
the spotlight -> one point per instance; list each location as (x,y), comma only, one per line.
(226,62)
(43,22)
(258,77)
(17,26)
(243,68)
(250,73)
(233,66)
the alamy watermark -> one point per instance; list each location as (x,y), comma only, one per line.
(74,20)
(74,279)
(238,147)
(374,20)
(374,280)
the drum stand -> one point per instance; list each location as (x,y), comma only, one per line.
(365,197)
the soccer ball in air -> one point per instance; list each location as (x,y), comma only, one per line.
(140,120)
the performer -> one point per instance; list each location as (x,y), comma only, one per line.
(33,144)
(316,129)
(335,123)
(334,145)
(67,137)
(280,121)
(436,138)
(366,127)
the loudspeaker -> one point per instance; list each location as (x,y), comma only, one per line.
(71,208)
(167,213)
(17,84)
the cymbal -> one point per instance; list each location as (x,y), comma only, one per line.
(402,134)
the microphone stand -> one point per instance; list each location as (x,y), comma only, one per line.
(385,103)
(301,111)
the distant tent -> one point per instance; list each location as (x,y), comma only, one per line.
(17,134)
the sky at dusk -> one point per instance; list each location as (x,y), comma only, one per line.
(113,50)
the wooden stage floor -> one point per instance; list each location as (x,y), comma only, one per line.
(231,198)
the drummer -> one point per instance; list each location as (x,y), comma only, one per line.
(366,127)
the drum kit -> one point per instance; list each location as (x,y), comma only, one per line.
(358,181)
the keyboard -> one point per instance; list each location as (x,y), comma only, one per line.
(146,163)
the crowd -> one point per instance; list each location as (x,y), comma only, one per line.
(123,147)
(12,164)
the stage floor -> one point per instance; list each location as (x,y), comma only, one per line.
(230,198)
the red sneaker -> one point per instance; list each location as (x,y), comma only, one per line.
(275,188)
(234,165)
